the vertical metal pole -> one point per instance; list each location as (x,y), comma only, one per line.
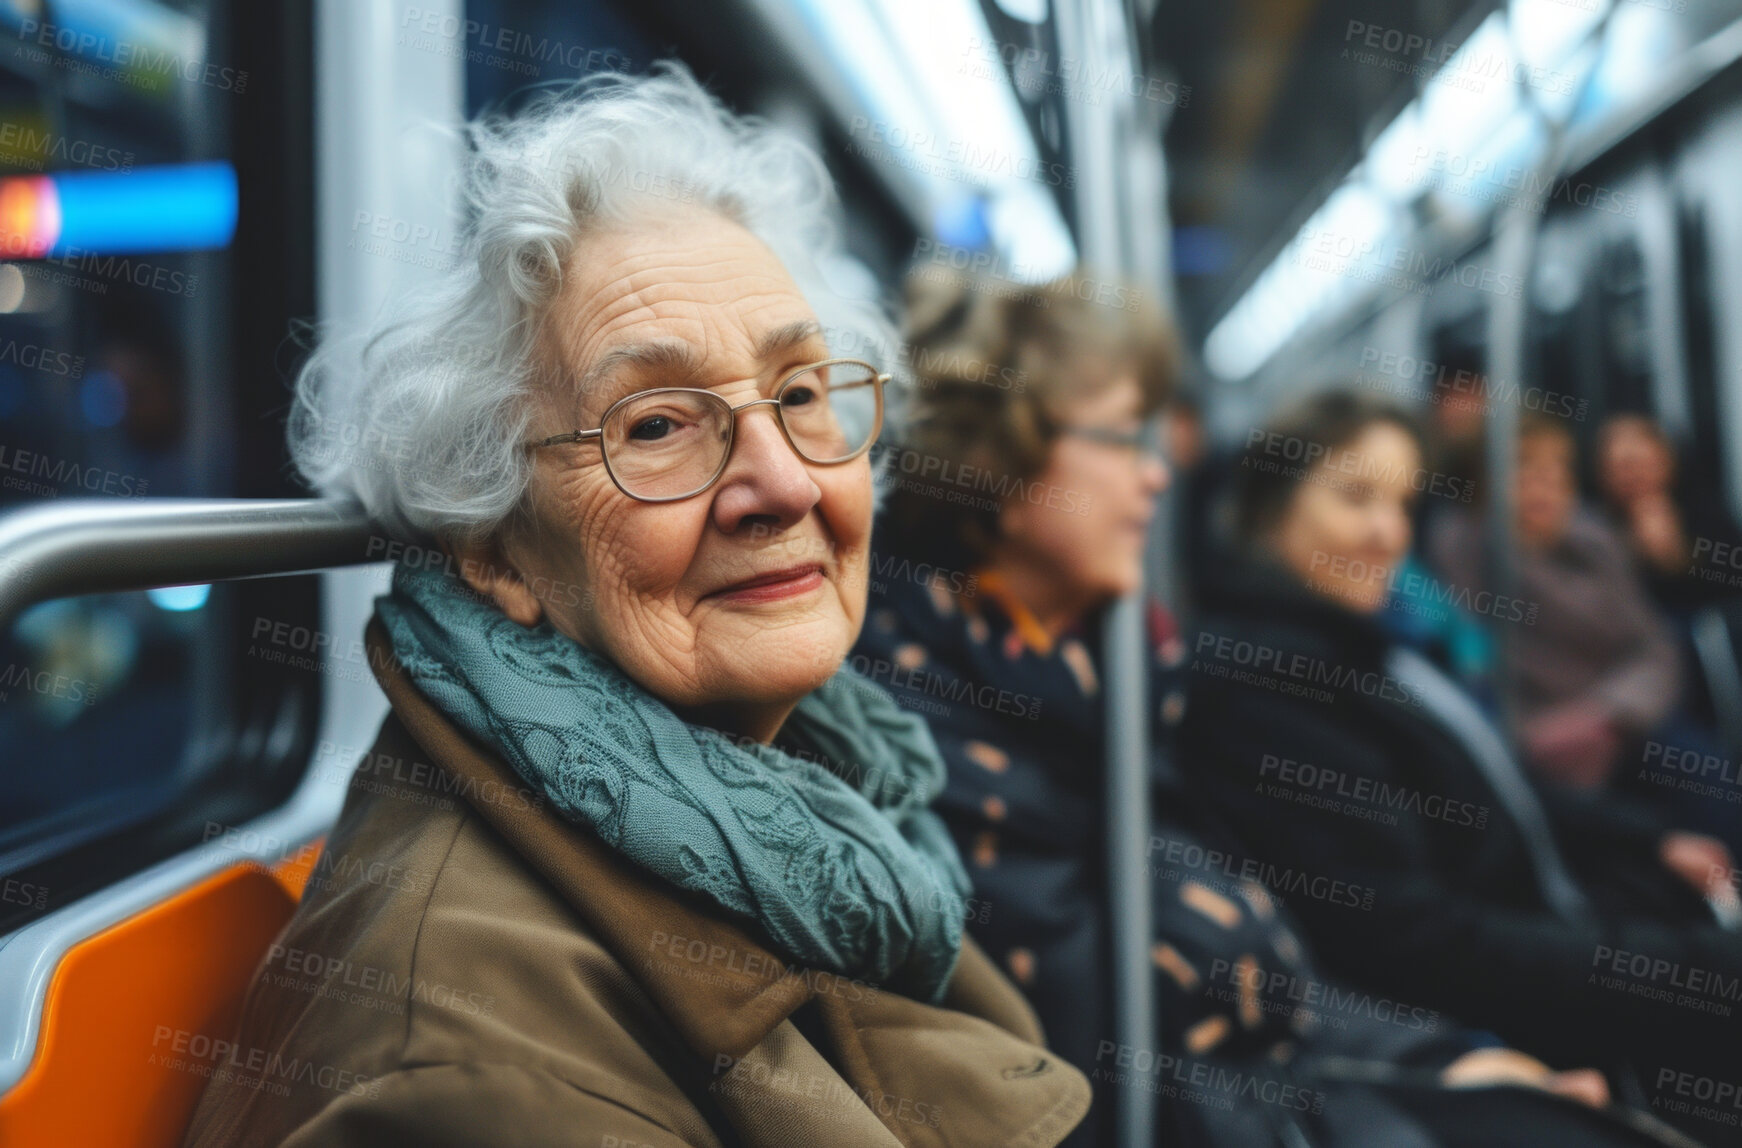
(1095,32)
(1517,231)
(383,88)
(1515,243)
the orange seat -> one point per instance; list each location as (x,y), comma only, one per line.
(135,1015)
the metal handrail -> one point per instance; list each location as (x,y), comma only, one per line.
(112,545)
(107,545)
(1518,233)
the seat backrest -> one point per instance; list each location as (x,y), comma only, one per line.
(138,1016)
(1714,638)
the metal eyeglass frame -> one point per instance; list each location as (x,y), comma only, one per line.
(877,381)
(1146,441)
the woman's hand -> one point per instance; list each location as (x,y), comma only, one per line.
(1657,532)
(1703,862)
(1490,1066)
(1574,744)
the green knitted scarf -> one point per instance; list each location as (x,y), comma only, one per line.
(839,860)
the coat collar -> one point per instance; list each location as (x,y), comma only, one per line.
(722,987)
(1256,590)
(913,1074)
(1035,637)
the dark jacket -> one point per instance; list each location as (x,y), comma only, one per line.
(1309,749)
(477,971)
(1263,1049)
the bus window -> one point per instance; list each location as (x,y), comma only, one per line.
(1625,326)
(154,237)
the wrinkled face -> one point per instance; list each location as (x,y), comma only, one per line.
(1633,463)
(1086,515)
(1546,489)
(742,598)
(1347,527)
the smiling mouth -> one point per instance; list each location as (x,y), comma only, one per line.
(772,586)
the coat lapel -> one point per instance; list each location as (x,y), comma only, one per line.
(722,989)
(901,1069)
(939,1077)
(783,1092)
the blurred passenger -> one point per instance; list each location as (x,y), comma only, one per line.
(1350,763)
(1672,534)
(1458,420)
(986,616)
(1458,402)
(1421,610)
(1680,538)
(1188,442)
(1425,612)
(646,866)
(1596,668)
(1199,478)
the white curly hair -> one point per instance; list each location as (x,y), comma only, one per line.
(420,416)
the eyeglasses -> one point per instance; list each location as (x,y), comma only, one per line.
(1145,440)
(672,443)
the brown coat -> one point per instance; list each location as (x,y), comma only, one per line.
(467,968)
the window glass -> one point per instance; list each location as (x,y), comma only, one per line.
(117,207)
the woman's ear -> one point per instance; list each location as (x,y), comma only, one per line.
(486,568)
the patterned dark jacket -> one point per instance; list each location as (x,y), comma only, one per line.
(1019,720)
(1256,1046)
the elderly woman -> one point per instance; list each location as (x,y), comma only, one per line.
(986,615)
(654,870)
